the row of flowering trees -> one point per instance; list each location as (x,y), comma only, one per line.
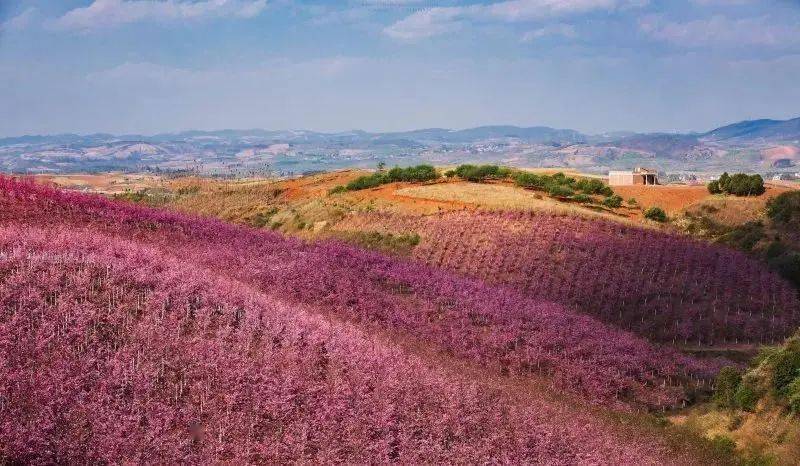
(111,352)
(661,286)
(136,336)
(491,325)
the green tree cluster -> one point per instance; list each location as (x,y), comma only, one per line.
(560,185)
(416,173)
(740,184)
(656,214)
(613,202)
(478,173)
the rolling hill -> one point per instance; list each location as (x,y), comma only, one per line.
(130,334)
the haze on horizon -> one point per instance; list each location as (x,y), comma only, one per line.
(155,66)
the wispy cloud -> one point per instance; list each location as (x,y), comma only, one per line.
(21,21)
(112,13)
(560,29)
(436,21)
(720,30)
(426,23)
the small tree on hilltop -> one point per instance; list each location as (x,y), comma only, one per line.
(656,214)
(724,182)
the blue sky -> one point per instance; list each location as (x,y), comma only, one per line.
(149,66)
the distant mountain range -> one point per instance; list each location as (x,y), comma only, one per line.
(758,129)
(747,145)
(744,131)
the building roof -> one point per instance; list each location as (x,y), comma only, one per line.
(645,171)
(635,171)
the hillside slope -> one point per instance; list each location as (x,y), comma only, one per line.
(130,334)
(112,353)
(661,286)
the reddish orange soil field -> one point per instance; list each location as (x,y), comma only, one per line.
(670,198)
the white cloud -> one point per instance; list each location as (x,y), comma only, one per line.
(560,29)
(21,21)
(111,13)
(720,30)
(426,23)
(436,21)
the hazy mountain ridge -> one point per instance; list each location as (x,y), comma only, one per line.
(747,145)
(758,129)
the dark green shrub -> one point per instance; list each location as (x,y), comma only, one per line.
(656,214)
(785,208)
(714,188)
(560,191)
(632,201)
(725,387)
(723,444)
(338,189)
(582,198)
(531,180)
(563,179)
(744,236)
(788,266)
(785,369)
(592,186)
(746,395)
(793,395)
(613,202)
(367,182)
(775,249)
(478,173)
(416,173)
(724,182)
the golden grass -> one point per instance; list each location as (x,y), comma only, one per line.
(769,432)
(504,197)
(105,183)
(732,210)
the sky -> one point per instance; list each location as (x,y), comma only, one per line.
(153,66)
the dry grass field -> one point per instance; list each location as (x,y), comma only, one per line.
(105,183)
(732,210)
(768,432)
(502,196)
